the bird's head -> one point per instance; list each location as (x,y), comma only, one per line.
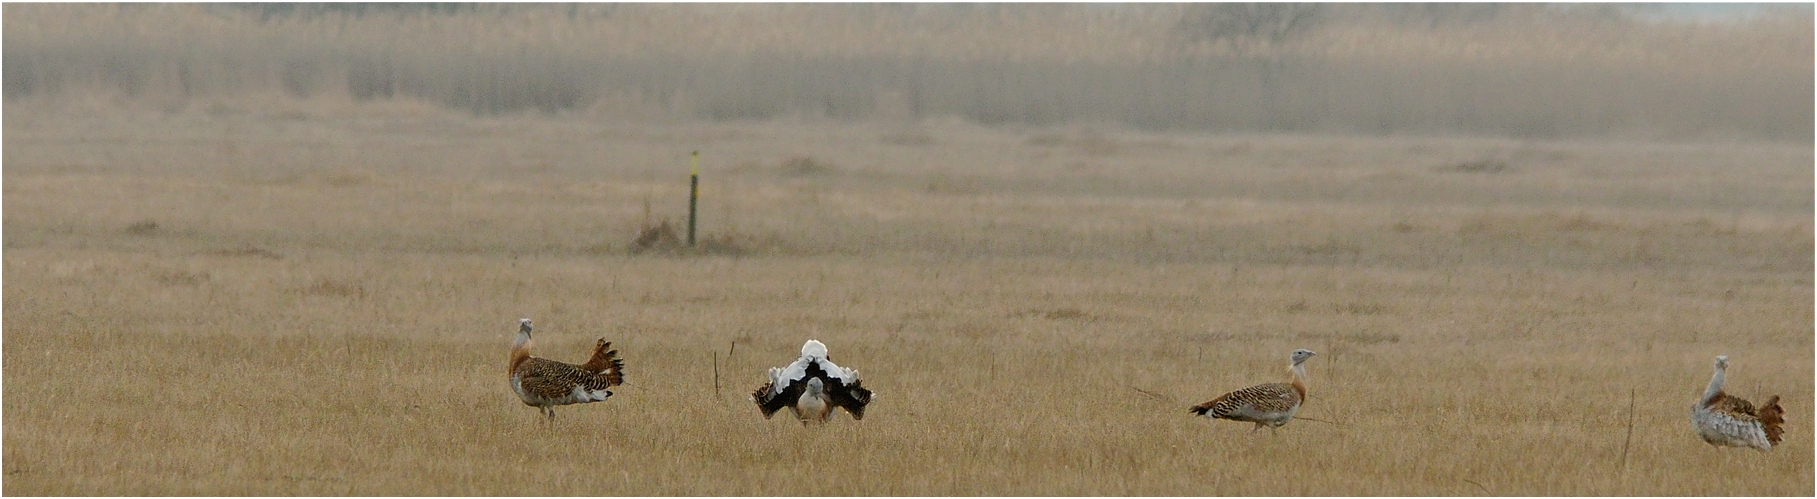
(1301,355)
(522,342)
(1722,362)
(815,387)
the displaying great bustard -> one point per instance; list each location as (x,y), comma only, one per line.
(1271,404)
(811,387)
(1723,419)
(544,383)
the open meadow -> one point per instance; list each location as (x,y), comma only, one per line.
(274,304)
(281,249)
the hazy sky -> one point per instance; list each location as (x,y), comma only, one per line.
(1705,10)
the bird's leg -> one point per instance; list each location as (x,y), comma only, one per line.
(1258,427)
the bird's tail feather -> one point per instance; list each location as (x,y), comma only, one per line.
(1771,417)
(605,361)
(1201,409)
(1206,409)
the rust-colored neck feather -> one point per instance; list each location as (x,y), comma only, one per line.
(1299,379)
(520,351)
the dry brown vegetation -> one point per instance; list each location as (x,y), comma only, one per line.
(272,305)
(315,297)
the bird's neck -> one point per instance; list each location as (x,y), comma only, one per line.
(1300,378)
(1715,386)
(520,350)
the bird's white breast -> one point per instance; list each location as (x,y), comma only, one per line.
(517,385)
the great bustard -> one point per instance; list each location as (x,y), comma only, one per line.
(1723,419)
(544,383)
(811,387)
(1271,404)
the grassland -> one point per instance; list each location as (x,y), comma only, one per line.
(249,255)
(273,303)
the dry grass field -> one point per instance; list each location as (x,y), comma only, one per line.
(250,252)
(250,303)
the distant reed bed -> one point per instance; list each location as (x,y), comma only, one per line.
(1359,70)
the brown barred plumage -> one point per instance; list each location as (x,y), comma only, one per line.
(544,383)
(1268,404)
(1723,419)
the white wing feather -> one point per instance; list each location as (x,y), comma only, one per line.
(1723,429)
(780,379)
(845,376)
